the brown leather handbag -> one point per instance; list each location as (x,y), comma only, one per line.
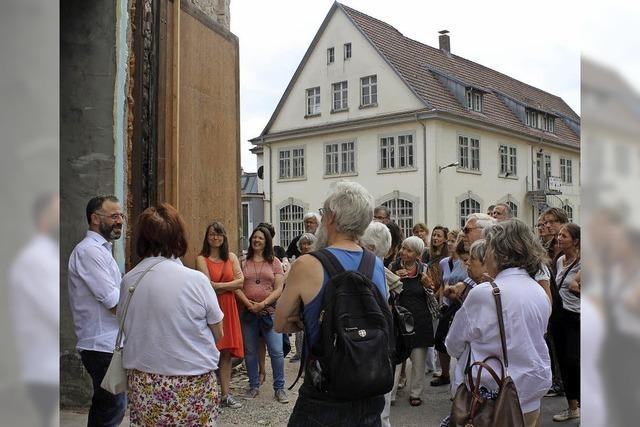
(470,408)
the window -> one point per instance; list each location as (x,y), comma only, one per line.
(402,214)
(313,101)
(347,51)
(539,120)
(369,91)
(543,170)
(514,208)
(397,152)
(474,100)
(566,171)
(291,163)
(467,207)
(405,150)
(340,96)
(508,160)
(291,224)
(331,55)
(340,158)
(387,153)
(468,153)
(569,211)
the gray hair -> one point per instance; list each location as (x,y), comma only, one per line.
(378,236)
(414,243)
(385,209)
(507,209)
(482,220)
(478,250)
(308,238)
(514,245)
(311,215)
(352,206)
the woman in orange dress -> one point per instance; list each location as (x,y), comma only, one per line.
(223,270)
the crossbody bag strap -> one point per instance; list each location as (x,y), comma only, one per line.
(566,273)
(126,304)
(503,337)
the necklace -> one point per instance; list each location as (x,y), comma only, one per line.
(255,270)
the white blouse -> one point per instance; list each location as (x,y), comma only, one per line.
(526,311)
(166,328)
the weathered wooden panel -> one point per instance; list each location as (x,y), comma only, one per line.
(201,159)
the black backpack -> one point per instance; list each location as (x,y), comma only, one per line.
(352,358)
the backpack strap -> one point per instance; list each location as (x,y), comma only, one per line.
(367,263)
(328,261)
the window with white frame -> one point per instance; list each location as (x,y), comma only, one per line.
(368,91)
(514,208)
(508,160)
(402,214)
(291,224)
(397,152)
(340,158)
(347,51)
(291,162)
(467,207)
(539,120)
(569,211)
(468,153)
(313,101)
(340,95)
(331,57)
(566,171)
(474,100)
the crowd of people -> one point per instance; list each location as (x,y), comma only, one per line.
(183,326)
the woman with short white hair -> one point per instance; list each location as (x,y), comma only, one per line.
(414,298)
(513,256)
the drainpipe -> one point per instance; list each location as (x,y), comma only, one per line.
(270,182)
(424,162)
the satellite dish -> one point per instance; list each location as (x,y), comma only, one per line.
(261,172)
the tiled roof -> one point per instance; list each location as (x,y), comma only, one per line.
(419,65)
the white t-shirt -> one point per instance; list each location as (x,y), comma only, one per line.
(166,328)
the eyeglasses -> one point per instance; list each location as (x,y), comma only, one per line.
(114,217)
(466,230)
(322,211)
(379,217)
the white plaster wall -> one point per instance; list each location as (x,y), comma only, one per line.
(393,94)
(444,190)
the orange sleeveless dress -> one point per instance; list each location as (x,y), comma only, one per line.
(232,340)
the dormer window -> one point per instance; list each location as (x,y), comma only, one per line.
(539,120)
(474,100)
(331,57)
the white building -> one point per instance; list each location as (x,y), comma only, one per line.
(370,105)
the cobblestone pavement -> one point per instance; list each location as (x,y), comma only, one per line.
(265,411)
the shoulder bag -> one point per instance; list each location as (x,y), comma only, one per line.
(471,408)
(115,379)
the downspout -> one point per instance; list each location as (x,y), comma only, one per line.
(270,183)
(424,162)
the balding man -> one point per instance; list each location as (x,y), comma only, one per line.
(502,212)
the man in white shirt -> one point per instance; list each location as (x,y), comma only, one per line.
(94,291)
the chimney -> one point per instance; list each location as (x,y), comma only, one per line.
(445,44)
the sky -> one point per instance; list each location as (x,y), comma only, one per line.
(539,43)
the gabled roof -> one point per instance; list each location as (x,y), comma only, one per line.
(420,67)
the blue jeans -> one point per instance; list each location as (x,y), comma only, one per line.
(252,325)
(309,412)
(107,410)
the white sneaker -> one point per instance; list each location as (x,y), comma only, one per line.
(567,414)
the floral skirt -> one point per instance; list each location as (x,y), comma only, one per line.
(162,400)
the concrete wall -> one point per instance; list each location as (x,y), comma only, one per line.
(87,82)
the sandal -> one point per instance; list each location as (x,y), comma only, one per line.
(415,401)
